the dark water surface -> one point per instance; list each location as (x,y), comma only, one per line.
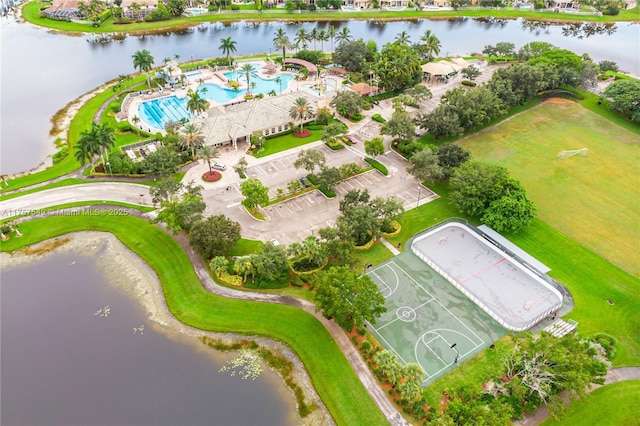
(42,71)
(63,365)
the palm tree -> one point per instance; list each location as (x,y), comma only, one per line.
(332,33)
(135,9)
(208,153)
(344,36)
(313,36)
(85,150)
(166,60)
(301,110)
(196,104)
(431,45)
(135,120)
(105,139)
(302,38)
(249,71)
(143,61)
(191,138)
(281,41)
(403,38)
(322,37)
(278,80)
(227,46)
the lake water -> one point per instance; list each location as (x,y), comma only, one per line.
(63,365)
(42,71)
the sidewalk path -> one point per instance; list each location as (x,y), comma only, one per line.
(615,375)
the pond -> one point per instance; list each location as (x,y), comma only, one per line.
(77,349)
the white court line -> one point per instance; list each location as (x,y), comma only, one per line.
(390,346)
(438,301)
(441,360)
(446,365)
(233,204)
(383,282)
(413,309)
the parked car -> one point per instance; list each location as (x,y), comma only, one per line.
(219,166)
(351,138)
(305,182)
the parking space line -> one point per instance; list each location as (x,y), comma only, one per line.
(297,205)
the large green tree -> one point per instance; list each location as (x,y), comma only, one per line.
(281,41)
(191,138)
(401,125)
(271,262)
(309,159)
(348,297)
(347,103)
(475,185)
(254,192)
(196,104)
(161,163)
(214,236)
(450,157)
(301,110)
(398,67)
(227,46)
(430,45)
(441,122)
(625,97)
(181,211)
(510,213)
(473,107)
(425,166)
(374,147)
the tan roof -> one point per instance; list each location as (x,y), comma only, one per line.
(363,89)
(64,4)
(128,3)
(460,61)
(438,68)
(308,65)
(338,70)
(270,66)
(243,119)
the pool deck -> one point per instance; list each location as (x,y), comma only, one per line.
(212,76)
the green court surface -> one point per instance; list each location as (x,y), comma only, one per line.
(426,316)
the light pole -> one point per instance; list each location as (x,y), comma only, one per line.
(455,361)
(419,193)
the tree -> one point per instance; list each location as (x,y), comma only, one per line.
(410,388)
(389,365)
(343,36)
(398,66)
(418,94)
(244,266)
(473,107)
(163,162)
(332,130)
(566,64)
(143,61)
(516,84)
(534,49)
(322,37)
(208,153)
(348,297)
(332,32)
(294,186)
(608,66)
(271,262)
(196,104)
(249,71)
(431,45)
(425,166)
(241,166)
(191,138)
(625,97)
(227,46)
(86,148)
(440,122)
(182,211)
(510,213)
(281,41)
(309,159)
(475,185)
(302,38)
(374,147)
(218,264)
(337,244)
(403,38)
(470,72)
(164,190)
(347,103)
(386,210)
(176,7)
(450,157)
(400,125)
(255,193)
(301,110)
(329,177)
(214,236)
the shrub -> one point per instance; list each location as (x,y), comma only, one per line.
(328,192)
(607,342)
(367,245)
(469,83)
(334,146)
(115,107)
(356,117)
(58,156)
(377,165)
(227,278)
(378,118)
(366,346)
(312,56)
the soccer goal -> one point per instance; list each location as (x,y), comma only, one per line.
(566,154)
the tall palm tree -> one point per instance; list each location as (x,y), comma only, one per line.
(105,139)
(281,41)
(166,60)
(135,120)
(332,33)
(431,45)
(278,80)
(208,153)
(249,71)
(403,38)
(143,61)
(302,38)
(301,110)
(135,9)
(343,36)
(85,150)
(313,36)
(227,46)
(322,37)
(196,104)
(191,138)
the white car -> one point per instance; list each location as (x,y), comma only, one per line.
(219,166)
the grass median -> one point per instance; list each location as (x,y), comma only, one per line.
(332,375)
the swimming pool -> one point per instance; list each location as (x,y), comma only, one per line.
(193,74)
(349,9)
(329,85)
(395,8)
(157,112)
(196,10)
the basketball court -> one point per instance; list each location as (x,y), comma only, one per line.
(443,309)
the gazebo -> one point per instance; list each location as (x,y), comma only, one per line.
(364,89)
(338,71)
(173,72)
(270,68)
(440,70)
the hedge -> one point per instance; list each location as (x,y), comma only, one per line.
(335,146)
(378,118)
(367,246)
(377,165)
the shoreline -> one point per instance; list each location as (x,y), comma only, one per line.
(135,278)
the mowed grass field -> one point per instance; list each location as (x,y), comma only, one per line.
(593,199)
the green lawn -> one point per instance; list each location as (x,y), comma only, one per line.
(285,142)
(610,405)
(593,199)
(331,373)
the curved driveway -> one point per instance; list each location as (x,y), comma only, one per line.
(105,191)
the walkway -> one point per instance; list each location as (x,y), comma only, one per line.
(615,375)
